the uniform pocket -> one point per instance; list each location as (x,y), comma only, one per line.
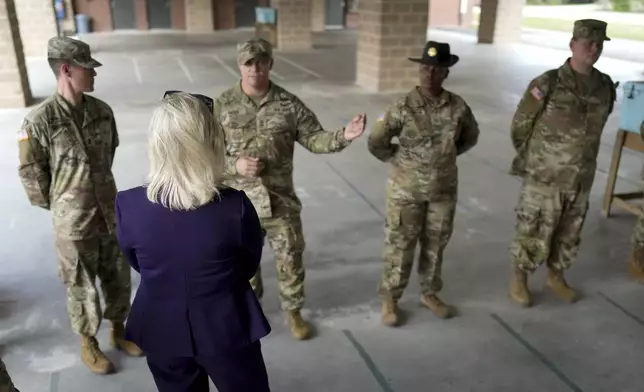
(528,221)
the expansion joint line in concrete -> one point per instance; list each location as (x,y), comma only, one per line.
(620,307)
(356,190)
(551,366)
(54,380)
(377,374)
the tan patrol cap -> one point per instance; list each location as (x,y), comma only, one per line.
(252,49)
(65,48)
(590,28)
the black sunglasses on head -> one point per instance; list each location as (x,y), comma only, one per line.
(209,102)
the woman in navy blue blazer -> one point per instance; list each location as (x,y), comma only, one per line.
(195,244)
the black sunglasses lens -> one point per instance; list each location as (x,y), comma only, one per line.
(209,102)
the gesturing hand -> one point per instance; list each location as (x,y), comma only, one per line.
(248,167)
(355,127)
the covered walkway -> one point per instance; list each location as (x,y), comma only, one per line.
(388,30)
(591,346)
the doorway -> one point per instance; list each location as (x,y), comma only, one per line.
(334,13)
(123,14)
(245,13)
(160,14)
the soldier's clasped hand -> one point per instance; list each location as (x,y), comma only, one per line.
(248,167)
(355,127)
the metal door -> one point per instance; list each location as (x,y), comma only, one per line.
(245,13)
(334,13)
(160,14)
(123,14)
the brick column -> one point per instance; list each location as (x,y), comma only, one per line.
(199,16)
(69,23)
(294,24)
(318,15)
(14,83)
(500,21)
(141,12)
(390,31)
(37,25)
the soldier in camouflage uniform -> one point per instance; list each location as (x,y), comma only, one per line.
(433,126)
(6,385)
(262,122)
(556,132)
(636,262)
(66,147)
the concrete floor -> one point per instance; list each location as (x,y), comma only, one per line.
(592,346)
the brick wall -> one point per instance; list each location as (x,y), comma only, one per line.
(179,14)
(293,24)
(500,21)
(444,13)
(37,25)
(318,15)
(390,31)
(224,14)
(199,14)
(14,83)
(141,11)
(100,13)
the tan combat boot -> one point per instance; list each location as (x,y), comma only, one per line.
(93,357)
(558,285)
(437,306)
(300,329)
(636,264)
(117,340)
(519,288)
(389,313)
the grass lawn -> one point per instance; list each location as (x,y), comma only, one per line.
(614,30)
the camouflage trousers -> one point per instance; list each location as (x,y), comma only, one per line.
(80,263)
(408,223)
(638,242)
(6,385)
(548,228)
(285,237)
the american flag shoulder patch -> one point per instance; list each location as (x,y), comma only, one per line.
(536,93)
(22,134)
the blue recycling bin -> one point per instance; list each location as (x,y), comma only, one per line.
(631,113)
(82,23)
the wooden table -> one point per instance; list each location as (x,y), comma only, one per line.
(632,141)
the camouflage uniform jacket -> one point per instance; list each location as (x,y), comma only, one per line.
(268,131)
(67,168)
(431,134)
(557,128)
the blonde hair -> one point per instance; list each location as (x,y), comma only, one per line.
(186,153)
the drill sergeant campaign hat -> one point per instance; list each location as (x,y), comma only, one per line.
(436,53)
(254,48)
(73,50)
(590,28)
